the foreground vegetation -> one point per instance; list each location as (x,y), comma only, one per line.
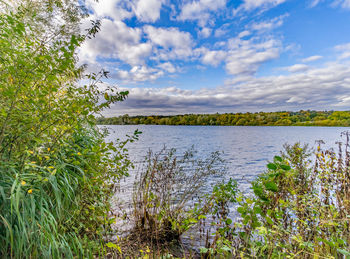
(56,171)
(298,208)
(300,118)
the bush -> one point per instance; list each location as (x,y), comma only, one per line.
(56,171)
(298,208)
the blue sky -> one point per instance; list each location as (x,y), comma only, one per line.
(208,56)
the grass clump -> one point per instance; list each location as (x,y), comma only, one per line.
(166,199)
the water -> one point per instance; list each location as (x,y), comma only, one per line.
(246,150)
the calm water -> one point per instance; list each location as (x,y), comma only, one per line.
(246,150)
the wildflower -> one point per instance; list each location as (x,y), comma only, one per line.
(30,191)
(33,162)
(50,167)
(48,149)
(79,154)
(23,182)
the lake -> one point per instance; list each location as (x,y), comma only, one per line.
(246,150)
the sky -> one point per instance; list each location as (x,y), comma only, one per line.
(209,56)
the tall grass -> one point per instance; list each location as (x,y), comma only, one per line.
(55,203)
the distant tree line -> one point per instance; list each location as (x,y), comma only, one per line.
(283,118)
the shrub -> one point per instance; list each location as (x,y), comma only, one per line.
(56,171)
(298,208)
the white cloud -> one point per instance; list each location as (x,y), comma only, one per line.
(115,9)
(144,10)
(139,74)
(344,50)
(342,3)
(312,58)
(167,66)
(117,40)
(297,68)
(148,10)
(200,10)
(214,57)
(315,2)
(335,3)
(222,30)
(175,44)
(246,56)
(327,86)
(250,5)
(244,34)
(270,24)
(204,32)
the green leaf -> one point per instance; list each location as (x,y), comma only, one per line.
(257,210)
(272,166)
(241,210)
(285,167)
(228,221)
(203,250)
(344,252)
(269,220)
(277,158)
(246,220)
(271,186)
(258,191)
(111,245)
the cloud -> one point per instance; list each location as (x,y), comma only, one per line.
(315,2)
(117,40)
(167,66)
(253,4)
(222,30)
(246,56)
(175,44)
(312,58)
(204,32)
(213,57)
(115,9)
(270,24)
(317,88)
(250,5)
(144,10)
(297,68)
(244,34)
(343,50)
(335,3)
(200,10)
(139,74)
(342,3)
(148,10)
